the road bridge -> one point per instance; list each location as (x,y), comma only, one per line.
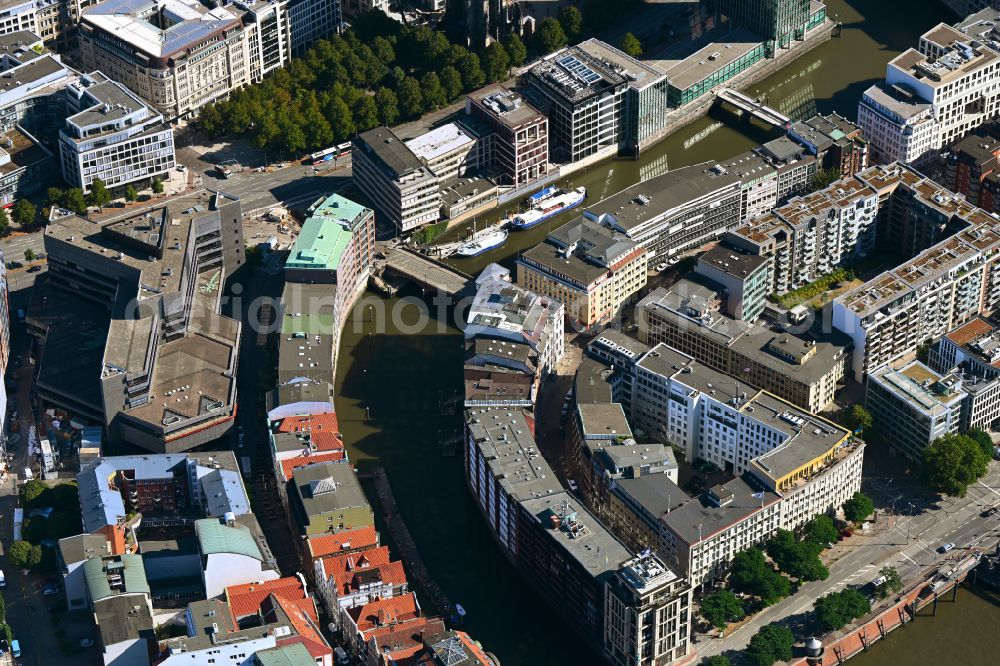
(753,107)
(425,271)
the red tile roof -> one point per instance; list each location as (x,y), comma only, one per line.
(302,622)
(385,611)
(312,423)
(359,538)
(246,599)
(340,564)
(289,465)
(405,639)
(326,441)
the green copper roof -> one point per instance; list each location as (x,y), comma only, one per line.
(127,571)
(214,537)
(326,234)
(295,654)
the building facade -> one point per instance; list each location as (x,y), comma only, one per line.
(183,55)
(590,268)
(145,291)
(936,93)
(805,370)
(112,135)
(779,22)
(660,214)
(400,187)
(518,143)
(599,100)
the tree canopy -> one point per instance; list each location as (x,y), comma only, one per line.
(720,608)
(24,212)
(571,21)
(550,36)
(23,555)
(952,463)
(326,95)
(861,418)
(516,50)
(772,643)
(99,195)
(799,559)
(716,660)
(30,493)
(836,609)
(892,584)
(630,45)
(751,574)
(859,507)
(822,530)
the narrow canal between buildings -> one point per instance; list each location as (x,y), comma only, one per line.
(400,372)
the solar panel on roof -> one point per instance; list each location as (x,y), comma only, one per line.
(578,70)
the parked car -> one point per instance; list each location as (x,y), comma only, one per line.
(660,267)
(572,485)
(50,590)
(86,642)
(946,547)
(992,511)
(35,269)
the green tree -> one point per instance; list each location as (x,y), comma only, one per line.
(411,101)
(4,221)
(716,660)
(859,507)
(516,50)
(24,212)
(64,496)
(388,106)
(822,530)
(630,45)
(892,584)
(799,559)
(496,62)
(433,94)
(340,119)
(365,113)
(23,555)
(99,194)
(861,418)
(751,574)
(983,439)
(54,196)
(836,609)
(571,21)
(74,200)
(772,643)
(63,524)
(157,186)
(29,254)
(451,81)
(471,72)
(550,36)
(952,463)
(32,493)
(824,178)
(720,608)
(131,194)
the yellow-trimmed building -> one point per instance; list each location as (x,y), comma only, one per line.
(591,269)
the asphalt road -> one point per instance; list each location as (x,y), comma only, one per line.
(910,545)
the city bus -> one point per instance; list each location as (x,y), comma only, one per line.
(333,153)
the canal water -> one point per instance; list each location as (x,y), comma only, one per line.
(393,374)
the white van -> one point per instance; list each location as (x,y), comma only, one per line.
(3,581)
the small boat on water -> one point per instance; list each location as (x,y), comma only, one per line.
(484,241)
(545,204)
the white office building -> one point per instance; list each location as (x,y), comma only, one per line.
(113,135)
(936,93)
